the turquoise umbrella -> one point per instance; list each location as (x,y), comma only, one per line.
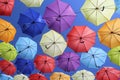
(5,77)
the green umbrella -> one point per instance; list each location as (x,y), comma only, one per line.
(7,51)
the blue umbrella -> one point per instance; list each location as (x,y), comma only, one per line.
(26,48)
(5,77)
(24,66)
(94,58)
(117,2)
(31,22)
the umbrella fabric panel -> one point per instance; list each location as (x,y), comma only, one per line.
(5,77)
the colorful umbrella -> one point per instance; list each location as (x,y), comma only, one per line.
(53,43)
(109,34)
(8,52)
(118,6)
(24,66)
(94,58)
(7,31)
(68,61)
(26,48)
(32,3)
(5,77)
(20,77)
(6,7)
(31,22)
(37,76)
(59,76)
(83,75)
(59,16)
(108,73)
(7,67)
(44,63)
(98,11)
(81,38)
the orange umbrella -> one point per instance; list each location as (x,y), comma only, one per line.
(109,34)
(7,31)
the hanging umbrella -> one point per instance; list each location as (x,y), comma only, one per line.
(59,76)
(5,77)
(98,11)
(31,22)
(24,66)
(109,34)
(6,7)
(108,73)
(20,77)
(83,75)
(44,63)
(7,67)
(59,16)
(117,2)
(81,38)
(7,31)
(37,76)
(26,48)
(8,52)
(94,58)
(68,61)
(53,43)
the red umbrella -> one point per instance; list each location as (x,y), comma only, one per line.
(81,38)
(7,67)
(37,76)
(108,73)
(6,7)
(44,63)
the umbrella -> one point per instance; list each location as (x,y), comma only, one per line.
(7,31)
(81,38)
(20,77)
(94,58)
(59,76)
(37,76)
(8,52)
(7,67)
(108,73)
(59,16)
(68,61)
(109,33)
(31,22)
(5,77)
(26,48)
(98,11)
(6,7)
(83,75)
(53,43)
(44,63)
(32,3)
(24,66)
(117,2)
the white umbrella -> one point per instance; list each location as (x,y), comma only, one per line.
(21,77)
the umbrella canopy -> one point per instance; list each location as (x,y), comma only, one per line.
(26,48)
(7,67)
(59,76)
(31,22)
(59,16)
(117,2)
(32,3)
(44,63)
(37,76)
(6,7)
(83,75)
(7,31)
(53,43)
(68,61)
(98,11)
(108,73)
(20,77)
(5,77)
(81,38)
(109,33)
(94,58)
(24,66)
(8,52)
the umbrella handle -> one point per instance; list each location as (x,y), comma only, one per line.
(103,8)
(48,46)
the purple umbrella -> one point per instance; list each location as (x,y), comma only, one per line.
(59,16)
(68,61)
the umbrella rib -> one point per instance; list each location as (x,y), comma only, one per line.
(66,22)
(107,75)
(113,74)
(48,38)
(104,16)
(65,9)
(52,10)
(90,15)
(116,38)
(92,3)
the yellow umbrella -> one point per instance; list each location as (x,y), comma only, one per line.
(7,31)
(109,34)
(59,76)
